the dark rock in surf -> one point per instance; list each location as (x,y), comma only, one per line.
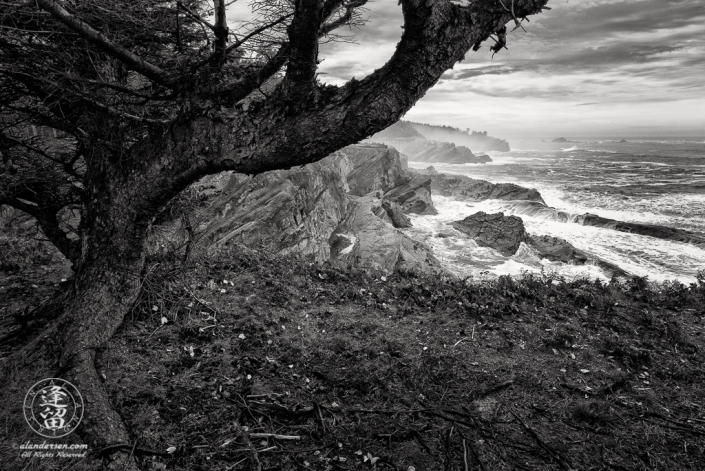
(464,188)
(660,232)
(497,231)
(556,249)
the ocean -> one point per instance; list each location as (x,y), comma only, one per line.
(645,181)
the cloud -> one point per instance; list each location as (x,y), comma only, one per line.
(590,64)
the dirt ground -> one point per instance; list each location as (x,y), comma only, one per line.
(243,361)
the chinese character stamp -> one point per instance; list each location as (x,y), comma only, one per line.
(53,407)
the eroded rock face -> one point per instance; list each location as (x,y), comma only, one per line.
(288,211)
(464,188)
(497,231)
(393,214)
(372,167)
(364,239)
(414,196)
(319,211)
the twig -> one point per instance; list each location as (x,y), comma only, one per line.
(562,462)
(465,455)
(255,464)
(275,436)
(124,465)
(491,390)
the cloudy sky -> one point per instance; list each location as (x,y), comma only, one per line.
(587,68)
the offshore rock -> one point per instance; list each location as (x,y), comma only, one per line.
(502,233)
(660,232)
(556,249)
(464,188)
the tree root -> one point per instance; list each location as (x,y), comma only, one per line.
(102,426)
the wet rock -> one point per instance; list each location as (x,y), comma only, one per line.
(556,249)
(660,232)
(464,188)
(497,231)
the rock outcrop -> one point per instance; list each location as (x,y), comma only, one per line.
(364,239)
(463,188)
(660,232)
(372,167)
(393,214)
(359,194)
(423,150)
(288,211)
(505,234)
(539,209)
(556,249)
(414,196)
(497,231)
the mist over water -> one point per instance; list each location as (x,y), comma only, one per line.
(644,181)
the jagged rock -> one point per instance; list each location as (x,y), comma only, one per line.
(366,240)
(287,211)
(560,139)
(373,167)
(497,231)
(556,249)
(404,162)
(418,149)
(393,214)
(414,196)
(464,188)
(313,211)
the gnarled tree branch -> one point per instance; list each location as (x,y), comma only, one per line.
(131,60)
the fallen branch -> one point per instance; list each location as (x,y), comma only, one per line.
(275,436)
(562,462)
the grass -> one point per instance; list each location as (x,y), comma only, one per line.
(247,361)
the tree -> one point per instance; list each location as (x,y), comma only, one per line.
(144,97)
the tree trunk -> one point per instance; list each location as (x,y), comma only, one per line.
(107,282)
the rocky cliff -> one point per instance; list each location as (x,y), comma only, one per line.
(419,149)
(477,141)
(347,208)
